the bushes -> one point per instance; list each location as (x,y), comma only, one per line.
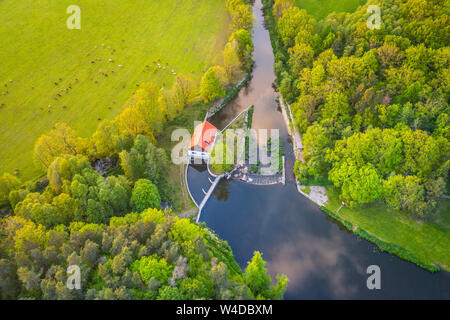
(8,183)
(145,195)
(210,87)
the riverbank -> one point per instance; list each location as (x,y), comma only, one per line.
(423,243)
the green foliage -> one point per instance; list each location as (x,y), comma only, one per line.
(138,256)
(210,87)
(145,195)
(152,267)
(8,183)
(145,161)
(245,45)
(259,282)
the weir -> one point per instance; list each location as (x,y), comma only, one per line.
(208,194)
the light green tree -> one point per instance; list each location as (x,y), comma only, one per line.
(210,87)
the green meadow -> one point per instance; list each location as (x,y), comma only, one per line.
(321,8)
(49,73)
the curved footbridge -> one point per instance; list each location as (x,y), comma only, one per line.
(209,193)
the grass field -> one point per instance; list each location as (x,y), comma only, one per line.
(43,58)
(428,241)
(321,8)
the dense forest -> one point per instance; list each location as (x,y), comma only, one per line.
(147,255)
(105,205)
(370,104)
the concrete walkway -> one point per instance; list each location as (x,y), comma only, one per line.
(317,194)
(297,144)
(208,195)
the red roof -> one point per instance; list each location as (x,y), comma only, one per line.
(203,136)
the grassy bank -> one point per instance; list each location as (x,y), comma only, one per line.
(423,243)
(43,58)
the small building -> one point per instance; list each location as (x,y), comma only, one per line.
(202,141)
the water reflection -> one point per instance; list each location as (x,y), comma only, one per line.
(310,261)
(222,191)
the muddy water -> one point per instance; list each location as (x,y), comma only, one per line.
(320,257)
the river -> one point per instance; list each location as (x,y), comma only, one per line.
(321,259)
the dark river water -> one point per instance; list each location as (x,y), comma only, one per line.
(321,259)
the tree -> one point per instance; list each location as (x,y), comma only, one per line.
(245,45)
(422,153)
(170,293)
(231,60)
(145,161)
(210,87)
(337,109)
(152,267)
(64,168)
(60,140)
(9,285)
(171,102)
(186,87)
(316,142)
(109,140)
(36,208)
(241,14)
(8,183)
(359,185)
(221,74)
(280,7)
(133,122)
(405,193)
(17,196)
(90,253)
(145,195)
(258,280)
(301,56)
(146,114)
(292,23)
(256,276)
